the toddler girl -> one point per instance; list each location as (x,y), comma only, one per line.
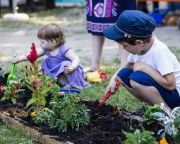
(60,62)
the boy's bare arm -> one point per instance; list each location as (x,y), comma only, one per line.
(112,84)
(167,81)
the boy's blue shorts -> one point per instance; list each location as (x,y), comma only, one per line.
(172,98)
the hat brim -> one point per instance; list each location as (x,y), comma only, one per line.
(113,33)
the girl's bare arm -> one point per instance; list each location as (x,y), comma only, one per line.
(21,58)
(74,59)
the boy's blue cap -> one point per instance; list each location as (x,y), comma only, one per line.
(131,23)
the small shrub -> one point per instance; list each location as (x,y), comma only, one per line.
(149,111)
(138,137)
(64,113)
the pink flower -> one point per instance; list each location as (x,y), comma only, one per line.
(33,55)
(2,88)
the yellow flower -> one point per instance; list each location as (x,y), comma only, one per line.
(33,114)
(163,141)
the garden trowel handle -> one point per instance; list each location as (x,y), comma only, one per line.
(13,69)
(108,94)
(11,76)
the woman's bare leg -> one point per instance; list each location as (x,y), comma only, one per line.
(97,49)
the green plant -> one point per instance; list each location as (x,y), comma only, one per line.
(148,113)
(43,115)
(170,120)
(11,91)
(36,82)
(140,137)
(39,93)
(65,112)
(177,126)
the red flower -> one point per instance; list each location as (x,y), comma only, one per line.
(33,55)
(2,88)
(13,91)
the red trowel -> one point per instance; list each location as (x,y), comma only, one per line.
(108,94)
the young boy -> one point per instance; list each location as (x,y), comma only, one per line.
(151,72)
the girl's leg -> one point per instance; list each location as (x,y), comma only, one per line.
(97,48)
(62,80)
(148,94)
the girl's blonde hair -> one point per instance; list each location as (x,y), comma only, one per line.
(52,32)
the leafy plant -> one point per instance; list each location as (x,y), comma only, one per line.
(148,113)
(65,112)
(35,82)
(170,120)
(11,91)
(140,137)
(43,116)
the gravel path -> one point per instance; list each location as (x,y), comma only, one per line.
(18,41)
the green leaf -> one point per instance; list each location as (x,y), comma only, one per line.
(31,101)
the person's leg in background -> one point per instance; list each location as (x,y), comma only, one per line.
(97,49)
(142,6)
(155,5)
(50,4)
(30,6)
(171,6)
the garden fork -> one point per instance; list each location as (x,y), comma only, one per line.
(11,76)
(108,94)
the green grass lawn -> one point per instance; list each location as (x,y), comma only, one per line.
(121,99)
(12,136)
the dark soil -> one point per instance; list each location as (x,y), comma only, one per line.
(107,124)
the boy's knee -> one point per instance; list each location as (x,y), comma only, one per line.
(124,75)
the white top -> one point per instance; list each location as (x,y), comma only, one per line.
(161,59)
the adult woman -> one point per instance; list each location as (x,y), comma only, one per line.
(100,15)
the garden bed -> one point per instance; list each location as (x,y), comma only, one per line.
(107,125)
(34,104)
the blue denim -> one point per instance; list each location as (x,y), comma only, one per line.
(172,98)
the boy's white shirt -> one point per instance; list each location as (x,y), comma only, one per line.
(161,59)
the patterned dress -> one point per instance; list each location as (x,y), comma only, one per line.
(54,66)
(104,13)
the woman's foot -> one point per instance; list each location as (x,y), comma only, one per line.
(86,72)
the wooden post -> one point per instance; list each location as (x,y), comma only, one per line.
(10,5)
(50,4)
(14,6)
(0,8)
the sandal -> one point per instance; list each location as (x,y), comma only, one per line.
(95,77)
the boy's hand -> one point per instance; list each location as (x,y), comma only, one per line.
(113,85)
(68,69)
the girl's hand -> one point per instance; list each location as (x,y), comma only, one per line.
(18,59)
(68,69)
(113,86)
